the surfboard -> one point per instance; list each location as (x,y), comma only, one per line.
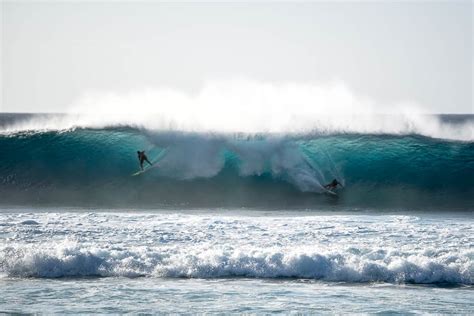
(139,172)
(160,156)
(330,192)
(333,191)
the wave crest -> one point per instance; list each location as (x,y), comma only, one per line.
(351,265)
(243,106)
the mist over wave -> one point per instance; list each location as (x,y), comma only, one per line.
(245,106)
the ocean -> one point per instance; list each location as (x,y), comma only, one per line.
(236,222)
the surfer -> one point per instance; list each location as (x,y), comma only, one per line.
(332,185)
(142,158)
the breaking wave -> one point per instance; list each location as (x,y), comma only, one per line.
(93,167)
(351,265)
(250,107)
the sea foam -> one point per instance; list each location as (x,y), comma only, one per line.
(350,265)
(395,249)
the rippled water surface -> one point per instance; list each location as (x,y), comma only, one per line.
(147,295)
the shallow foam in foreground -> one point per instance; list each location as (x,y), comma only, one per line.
(349,248)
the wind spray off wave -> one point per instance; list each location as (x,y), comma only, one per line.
(243,106)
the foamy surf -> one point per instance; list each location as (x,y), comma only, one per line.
(402,250)
(352,265)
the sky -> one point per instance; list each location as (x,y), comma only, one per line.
(54,53)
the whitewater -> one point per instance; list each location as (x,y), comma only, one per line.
(236,217)
(248,261)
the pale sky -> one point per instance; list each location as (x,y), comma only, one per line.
(52,53)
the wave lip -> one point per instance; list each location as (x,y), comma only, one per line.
(350,265)
(448,127)
(243,105)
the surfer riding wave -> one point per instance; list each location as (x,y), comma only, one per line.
(142,158)
(332,185)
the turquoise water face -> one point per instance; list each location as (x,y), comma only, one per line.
(94,168)
(57,260)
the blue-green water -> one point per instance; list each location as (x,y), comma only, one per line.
(93,167)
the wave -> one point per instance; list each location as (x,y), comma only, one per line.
(94,166)
(449,127)
(249,106)
(71,259)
